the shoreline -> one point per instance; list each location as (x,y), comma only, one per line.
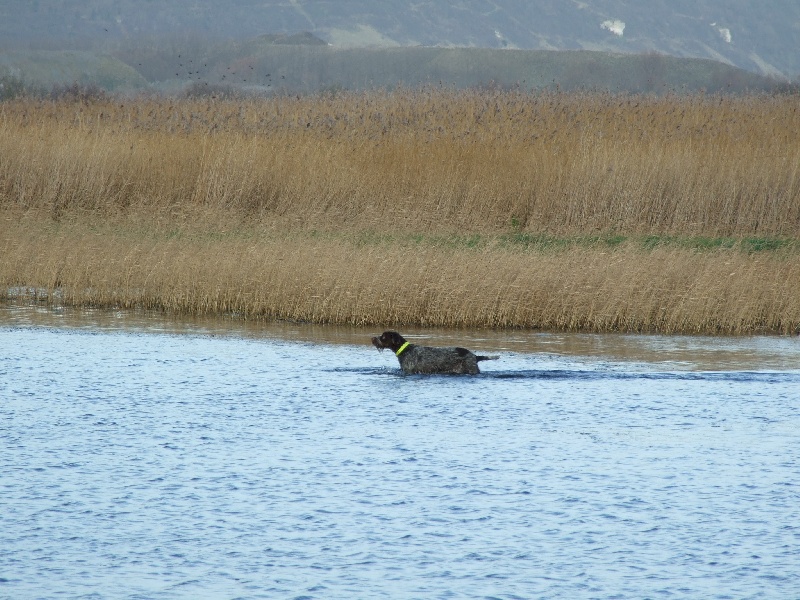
(661,353)
(308,278)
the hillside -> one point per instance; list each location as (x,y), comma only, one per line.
(760,37)
(303,64)
(44,69)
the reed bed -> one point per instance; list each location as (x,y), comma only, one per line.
(337,280)
(434,207)
(435,160)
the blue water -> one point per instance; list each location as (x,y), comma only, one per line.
(149,461)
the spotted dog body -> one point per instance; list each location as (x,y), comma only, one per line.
(426,359)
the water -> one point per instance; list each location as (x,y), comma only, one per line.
(147,458)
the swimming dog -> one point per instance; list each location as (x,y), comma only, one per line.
(425,359)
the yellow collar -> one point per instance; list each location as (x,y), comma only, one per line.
(400,350)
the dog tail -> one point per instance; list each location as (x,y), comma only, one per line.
(479,358)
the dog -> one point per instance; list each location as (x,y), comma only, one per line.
(427,360)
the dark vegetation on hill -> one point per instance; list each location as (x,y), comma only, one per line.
(302,63)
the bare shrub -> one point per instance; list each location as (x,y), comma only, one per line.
(78,92)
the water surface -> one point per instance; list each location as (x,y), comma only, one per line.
(143,457)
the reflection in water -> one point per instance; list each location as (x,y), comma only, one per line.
(701,353)
(144,457)
(610,374)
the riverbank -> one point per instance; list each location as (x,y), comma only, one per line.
(584,212)
(257,274)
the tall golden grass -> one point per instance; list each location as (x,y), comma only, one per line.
(256,207)
(334,280)
(422,161)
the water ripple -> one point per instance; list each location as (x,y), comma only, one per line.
(182,466)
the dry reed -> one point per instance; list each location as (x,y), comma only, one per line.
(422,161)
(333,280)
(255,208)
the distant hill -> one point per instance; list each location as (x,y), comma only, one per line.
(304,64)
(761,37)
(45,69)
(313,68)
